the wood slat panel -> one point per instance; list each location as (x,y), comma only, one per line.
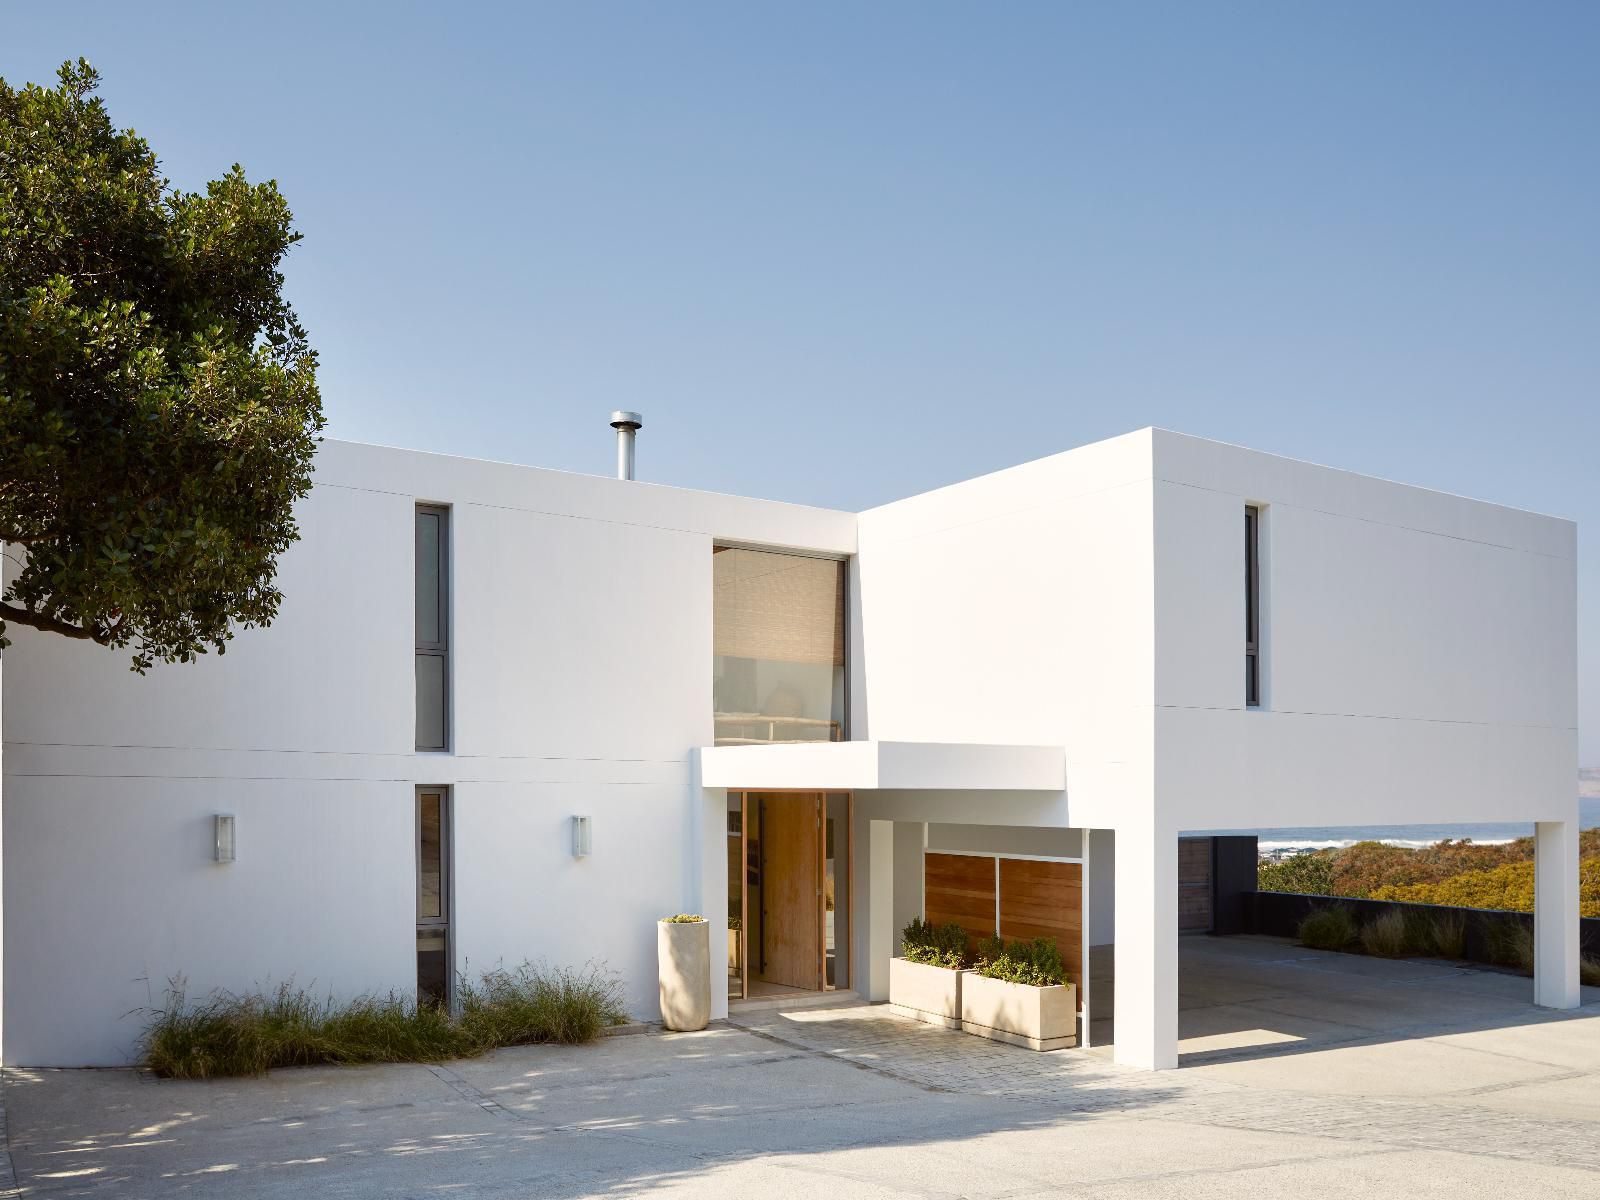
(1044,899)
(1194,885)
(960,888)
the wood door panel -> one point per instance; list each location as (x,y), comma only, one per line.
(1044,899)
(960,888)
(791,925)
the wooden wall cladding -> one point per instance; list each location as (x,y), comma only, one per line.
(1037,899)
(1194,885)
(1044,899)
(959,888)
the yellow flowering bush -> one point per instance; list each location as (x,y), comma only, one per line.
(1508,887)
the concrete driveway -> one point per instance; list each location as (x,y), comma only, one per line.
(1306,1074)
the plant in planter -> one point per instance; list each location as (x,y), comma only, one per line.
(1018,993)
(683,963)
(925,981)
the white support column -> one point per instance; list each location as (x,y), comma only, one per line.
(910,841)
(880,909)
(708,889)
(1555,914)
(1146,992)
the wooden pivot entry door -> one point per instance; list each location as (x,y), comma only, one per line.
(791,916)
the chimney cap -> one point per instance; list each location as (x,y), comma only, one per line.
(622,419)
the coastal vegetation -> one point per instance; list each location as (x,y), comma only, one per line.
(1459,873)
(227,1034)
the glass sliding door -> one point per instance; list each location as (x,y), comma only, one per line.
(736,896)
(836,828)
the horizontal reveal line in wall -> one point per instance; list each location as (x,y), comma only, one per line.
(1293,712)
(396,754)
(423,779)
(571,516)
(1453,537)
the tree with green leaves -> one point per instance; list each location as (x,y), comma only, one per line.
(158,398)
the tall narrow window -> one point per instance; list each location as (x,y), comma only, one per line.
(1252,606)
(433,895)
(433,627)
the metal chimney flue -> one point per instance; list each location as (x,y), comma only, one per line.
(626,424)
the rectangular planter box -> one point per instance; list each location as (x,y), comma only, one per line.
(1038,1018)
(924,993)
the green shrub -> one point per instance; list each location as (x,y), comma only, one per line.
(936,945)
(683,919)
(1309,874)
(1329,928)
(1036,963)
(988,949)
(229,1034)
(1385,935)
(932,956)
(1589,971)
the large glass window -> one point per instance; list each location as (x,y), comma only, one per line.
(778,646)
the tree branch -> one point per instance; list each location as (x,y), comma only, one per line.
(9,612)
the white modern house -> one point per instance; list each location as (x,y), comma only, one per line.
(623,700)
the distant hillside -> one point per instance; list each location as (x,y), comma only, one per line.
(1589,782)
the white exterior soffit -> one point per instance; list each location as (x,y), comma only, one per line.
(853,766)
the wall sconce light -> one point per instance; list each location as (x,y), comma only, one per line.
(227,844)
(582,837)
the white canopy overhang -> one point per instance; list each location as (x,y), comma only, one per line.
(855,766)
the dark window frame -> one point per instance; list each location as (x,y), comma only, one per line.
(443,922)
(439,648)
(1252,606)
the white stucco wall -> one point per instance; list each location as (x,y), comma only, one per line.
(581,658)
(1419,663)
(1419,649)
(1017,608)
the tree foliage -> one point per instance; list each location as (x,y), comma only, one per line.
(158,401)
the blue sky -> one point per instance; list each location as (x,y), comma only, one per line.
(840,254)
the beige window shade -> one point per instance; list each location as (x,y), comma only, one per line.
(778,607)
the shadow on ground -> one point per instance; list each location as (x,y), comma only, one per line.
(853,1102)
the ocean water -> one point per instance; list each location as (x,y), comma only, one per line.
(1277,843)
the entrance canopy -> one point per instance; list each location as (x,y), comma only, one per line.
(857,766)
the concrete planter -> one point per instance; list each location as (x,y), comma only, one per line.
(1039,1018)
(683,965)
(924,993)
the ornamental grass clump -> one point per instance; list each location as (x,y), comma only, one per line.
(229,1034)
(1511,945)
(1330,928)
(1385,935)
(1445,935)
(934,945)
